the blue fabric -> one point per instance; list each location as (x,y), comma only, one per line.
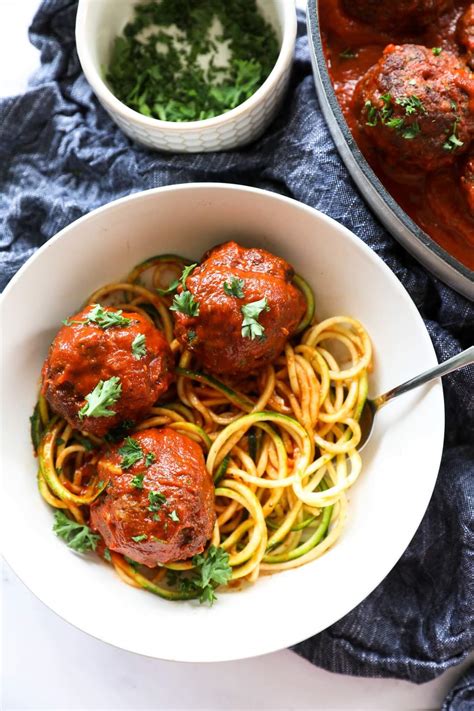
(61,156)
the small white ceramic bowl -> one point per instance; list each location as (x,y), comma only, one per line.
(98,24)
(400,463)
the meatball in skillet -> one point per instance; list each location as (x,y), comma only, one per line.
(413,105)
(390,16)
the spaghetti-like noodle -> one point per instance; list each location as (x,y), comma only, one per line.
(282,448)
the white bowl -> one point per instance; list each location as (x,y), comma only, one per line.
(98,24)
(400,463)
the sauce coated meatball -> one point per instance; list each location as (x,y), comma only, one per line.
(161,507)
(414,106)
(388,15)
(135,354)
(248,308)
(466,34)
(467,182)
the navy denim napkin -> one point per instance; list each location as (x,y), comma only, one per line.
(61,156)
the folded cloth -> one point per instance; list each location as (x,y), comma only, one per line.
(61,156)
(461,696)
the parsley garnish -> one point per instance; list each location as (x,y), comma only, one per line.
(453,142)
(105,394)
(251,328)
(411,104)
(371,114)
(78,536)
(411,131)
(137,481)
(149,459)
(157,500)
(131,452)
(107,555)
(106,319)
(141,537)
(210,570)
(192,335)
(185,304)
(174,516)
(437,51)
(395,123)
(185,273)
(139,346)
(169,290)
(235,288)
(348,53)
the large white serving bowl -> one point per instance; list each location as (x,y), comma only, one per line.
(400,463)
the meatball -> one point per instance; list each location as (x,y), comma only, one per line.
(467,182)
(246,309)
(465,32)
(386,15)
(413,105)
(125,362)
(159,504)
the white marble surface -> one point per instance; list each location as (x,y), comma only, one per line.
(47,664)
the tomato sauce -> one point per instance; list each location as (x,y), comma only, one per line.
(433,200)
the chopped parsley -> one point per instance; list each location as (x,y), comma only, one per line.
(174,516)
(437,51)
(185,304)
(178,75)
(78,536)
(211,569)
(348,53)
(192,335)
(372,114)
(411,131)
(251,328)
(139,346)
(99,401)
(453,142)
(107,555)
(106,319)
(149,459)
(411,104)
(170,289)
(137,481)
(157,500)
(141,537)
(234,288)
(185,273)
(131,453)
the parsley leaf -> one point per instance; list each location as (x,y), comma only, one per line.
(437,51)
(78,536)
(174,516)
(107,555)
(170,289)
(453,142)
(412,131)
(185,273)
(156,500)
(211,570)
(192,335)
(149,459)
(131,452)
(141,537)
(137,481)
(98,402)
(411,104)
(348,54)
(251,328)
(139,346)
(185,304)
(235,288)
(106,319)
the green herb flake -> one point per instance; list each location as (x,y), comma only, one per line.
(251,328)
(453,142)
(137,481)
(437,51)
(174,516)
(185,273)
(103,396)
(170,289)
(107,319)
(131,453)
(348,53)
(107,555)
(77,536)
(149,459)
(157,500)
(139,346)
(185,304)
(372,115)
(234,288)
(411,104)
(192,335)
(412,131)
(141,537)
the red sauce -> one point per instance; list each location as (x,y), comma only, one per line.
(433,200)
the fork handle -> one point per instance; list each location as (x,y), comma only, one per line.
(461,360)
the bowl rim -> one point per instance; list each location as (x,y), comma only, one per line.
(440,262)
(105,95)
(402,294)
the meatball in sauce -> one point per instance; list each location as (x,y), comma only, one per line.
(393,16)
(247,307)
(133,352)
(159,504)
(414,106)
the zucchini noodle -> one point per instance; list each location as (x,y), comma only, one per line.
(280,445)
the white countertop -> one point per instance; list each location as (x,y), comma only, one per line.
(47,664)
